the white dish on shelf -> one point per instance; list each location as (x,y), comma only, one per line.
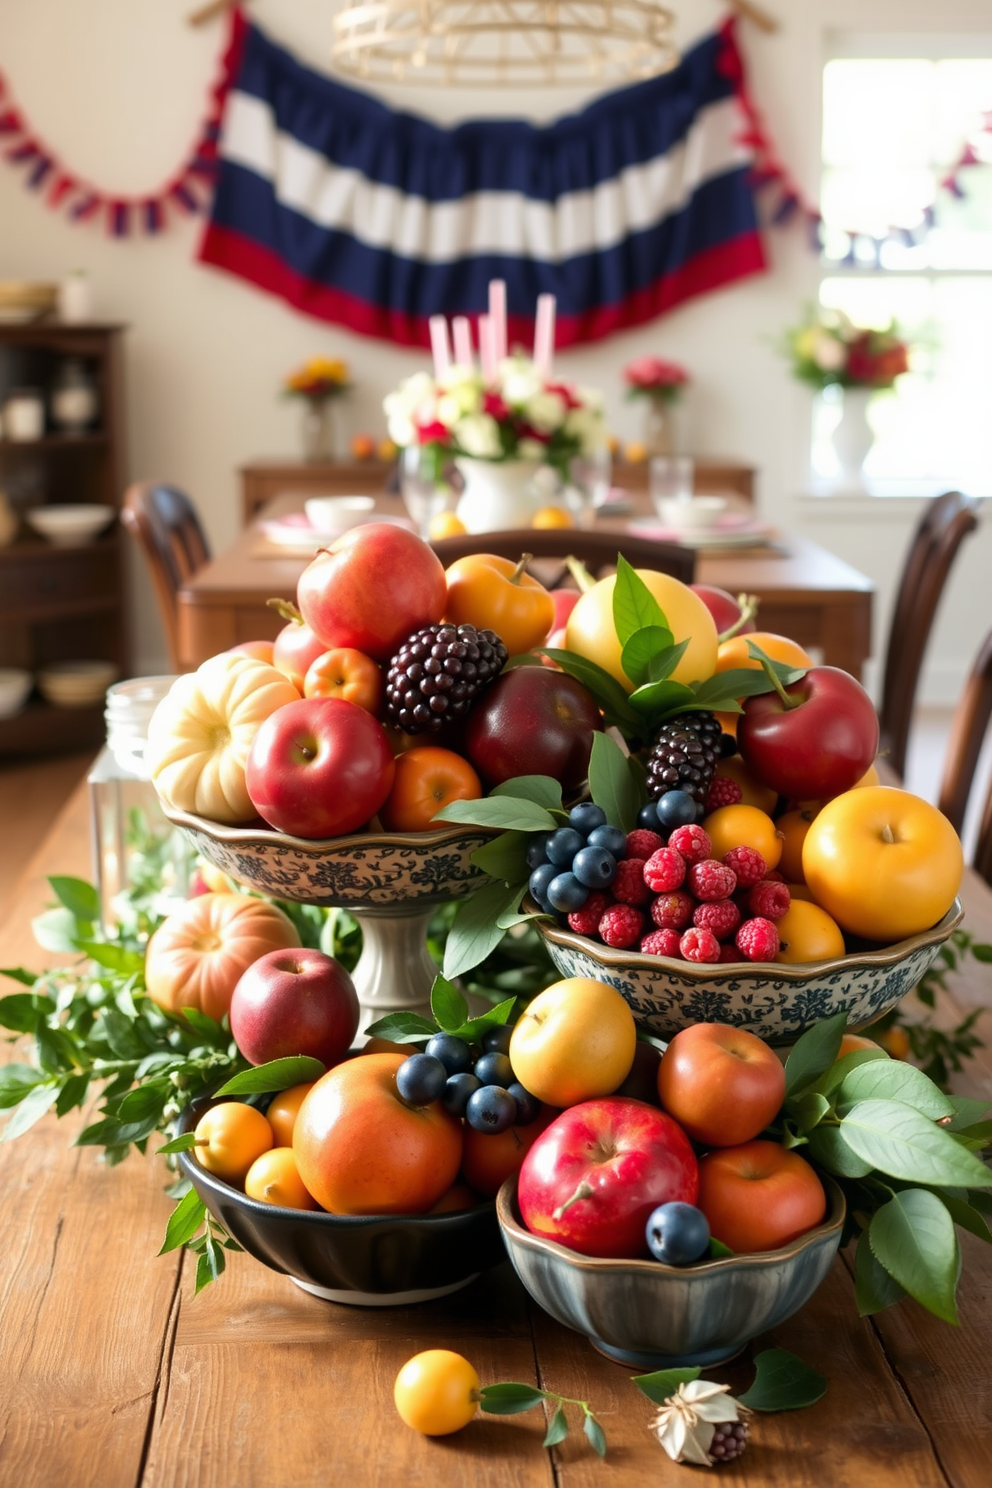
(337,513)
(15,684)
(76,684)
(75,522)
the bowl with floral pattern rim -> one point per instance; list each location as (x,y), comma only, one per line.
(647,1315)
(778,1002)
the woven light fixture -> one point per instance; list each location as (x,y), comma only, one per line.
(503,43)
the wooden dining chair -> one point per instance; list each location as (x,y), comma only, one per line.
(164,523)
(549,547)
(945,524)
(968,730)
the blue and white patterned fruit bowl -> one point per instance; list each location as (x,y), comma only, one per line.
(776,1002)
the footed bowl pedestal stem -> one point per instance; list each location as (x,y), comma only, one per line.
(395,971)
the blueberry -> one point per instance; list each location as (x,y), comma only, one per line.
(678,1234)
(494,1069)
(563,845)
(585,817)
(701,812)
(528,1106)
(538,883)
(535,855)
(594,867)
(491,1109)
(421,1079)
(647,817)
(496,1040)
(728,746)
(675,808)
(454,1053)
(611,839)
(566,893)
(457,1090)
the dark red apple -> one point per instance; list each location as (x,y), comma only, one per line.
(319,768)
(294,650)
(814,740)
(372,589)
(295,1001)
(723,607)
(533,721)
(592,1179)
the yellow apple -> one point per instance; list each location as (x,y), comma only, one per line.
(592,633)
(574,1042)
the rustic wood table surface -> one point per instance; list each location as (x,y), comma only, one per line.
(805,591)
(112,1375)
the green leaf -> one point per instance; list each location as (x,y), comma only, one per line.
(505,857)
(509,1399)
(146,1100)
(838,1072)
(499,811)
(644,647)
(72,1093)
(663,665)
(543,790)
(785,673)
(606,690)
(966,1110)
(447,1004)
(178,1144)
(509,918)
(964,1215)
(113,957)
(77,896)
(21,1011)
(113,1133)
(718,1251)
(209,1265)
(634,606)
(828,1147)
(783,1382)
(473,1028)
(899,1141)
(595,1435)
(55,930)
(16,1080)
(474,931)
(610,783)
(891,1079)
(913,1238)
(660,697)
(813,1054)
(661,1383)
(184,1221)
(31,1109)
(403,1028)
(557,1428)
(201,1023)
(19,974)
(277,1074)
(874,1288)
(809,1109)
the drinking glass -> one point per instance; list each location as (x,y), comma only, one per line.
(671,479)
(424,485)
(588,485)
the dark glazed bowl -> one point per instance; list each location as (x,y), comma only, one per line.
(376,1261)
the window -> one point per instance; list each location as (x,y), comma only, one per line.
(896,118)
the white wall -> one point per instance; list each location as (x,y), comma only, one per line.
(117,88)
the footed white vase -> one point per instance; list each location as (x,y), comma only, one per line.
(499,494)
(852,441)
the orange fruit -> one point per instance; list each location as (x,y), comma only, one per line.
(446,524)
(744,826)
(436,1392)
(807,933)
(348,674)
(229,1137)
(853,1043)
(282,1112)
(635,453)
(734,653)
(752,792)
(793,826)
(274,1178)
(426,780)
(552,516)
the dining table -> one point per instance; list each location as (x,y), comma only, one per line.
(803,590)
(114,1375)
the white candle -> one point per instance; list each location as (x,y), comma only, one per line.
(487,348)
(544,334)
(461,330)
(497,314)
(439,345)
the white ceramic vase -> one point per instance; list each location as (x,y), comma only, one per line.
(499,494)
(852,440)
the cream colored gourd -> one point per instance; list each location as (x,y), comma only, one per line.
(197,955)
(202,730)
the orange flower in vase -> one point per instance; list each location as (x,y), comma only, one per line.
(319,382)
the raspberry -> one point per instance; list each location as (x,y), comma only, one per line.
(629,887)
(664,870)
(621,926)
(748,864)
(662,943)
(672,911)
(729,952)
(712,880)
(700,945)
(729,1440)
(692,842)
(723,792)
(757,939)
(721,916)
(585,921)
(641,843)
(769,899)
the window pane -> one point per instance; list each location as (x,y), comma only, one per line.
(878,112)
(873,199)
(962,93)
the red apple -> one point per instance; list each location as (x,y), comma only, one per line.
(295,1001)
(592,1179)
(319,768)
(294,651)
(723,607)
(373,588)
(816,742)
(533,721)
(564,601)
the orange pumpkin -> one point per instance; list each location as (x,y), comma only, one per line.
(197,955)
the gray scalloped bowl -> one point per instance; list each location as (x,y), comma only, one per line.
(388,1260)
(363,871)
(776,1002)
(651,1316)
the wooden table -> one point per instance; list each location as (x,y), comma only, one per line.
(113,1376)
(805,592)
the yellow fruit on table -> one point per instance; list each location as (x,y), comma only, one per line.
(807,933)
(437,1392)
(386,450)
(613,444)
(883,863)
(552,516)
(744,826)
(591,631)
(635,453)
(446,524)
(574,1042)
(362,446)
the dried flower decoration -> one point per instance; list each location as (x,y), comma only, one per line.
(692,1424)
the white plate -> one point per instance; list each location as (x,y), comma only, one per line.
(747,537)
(300,537)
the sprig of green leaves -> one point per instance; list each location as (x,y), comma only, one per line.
(510,1399)
(450,1015)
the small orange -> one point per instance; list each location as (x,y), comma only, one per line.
(552,516)
(752,792)
(348,674)
(426,780)
(229,1137)
(793,826)
(274,1178)
(734,653)
(459,1196)
(282,1112)
(386,450)
(635,453)
(854,1043)
(362,446)
(744,826)
(436,1392)
(446,524)
(807,933)
(895,1042)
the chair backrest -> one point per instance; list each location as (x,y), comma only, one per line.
(968,729)
(164,523)
(549,548)
(946,523)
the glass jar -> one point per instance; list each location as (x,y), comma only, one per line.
(660,426)
(136,850)
(319,428)
(24,415)
(74,401)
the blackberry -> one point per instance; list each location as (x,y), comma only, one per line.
(729,1441)
(685,756)
(438,673)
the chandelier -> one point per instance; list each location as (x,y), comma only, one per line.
(503,43)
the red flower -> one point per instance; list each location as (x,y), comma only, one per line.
(493,404)
(651,372)
(564,391)
(434,433)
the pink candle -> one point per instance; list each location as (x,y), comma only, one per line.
(487,348)
(497,314)
(462,333)
(439,345)
(544,334)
